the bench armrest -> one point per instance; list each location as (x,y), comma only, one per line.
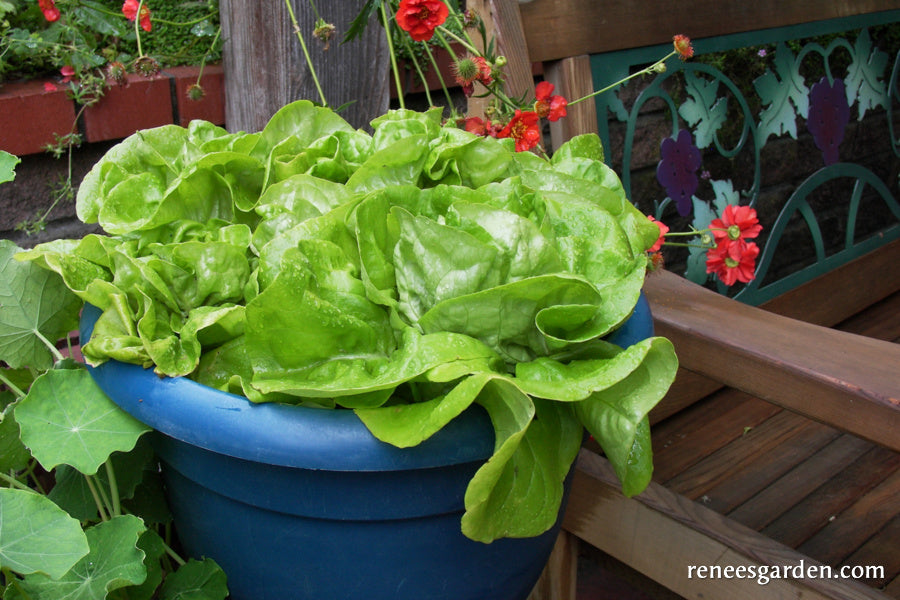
(845,380)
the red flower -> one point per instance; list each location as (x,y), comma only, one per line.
(48,7)
(130,10)
(683,46)
(68,73)
(663,230)
(737,222)
(49,87)
(546,104)
(480,126)
(421,17)
(523,128)
(732,260)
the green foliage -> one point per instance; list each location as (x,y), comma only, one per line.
(420,262)
(75,540)
(90,34)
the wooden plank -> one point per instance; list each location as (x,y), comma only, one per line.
(692,435)
(503,21)
(767,467)
(792,487)
(572,80)
(807,517)
(558,581)
(643,531)
(688,388)
(832,376)
(880,321)
(871,280)
(716,469)
(852,527)
(882,550)
(862,282)
(556,29)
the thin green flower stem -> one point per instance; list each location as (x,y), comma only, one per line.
(185,23)
(12,387)
(465,44)
(437,70)
(206,55)
(172,554)
(394,69)
(137,28)
(15,483)
(651,69)
(309,63)
(495,90)
(93,489)
(116,504)
(50,345)
(418,68)
(29,473)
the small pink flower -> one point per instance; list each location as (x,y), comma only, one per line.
(50,87)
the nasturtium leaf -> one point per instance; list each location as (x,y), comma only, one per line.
(196,580)
(14,455)
(36,536)
(114,561)
(34,304)
(154,548)
(8,164)
(67,419)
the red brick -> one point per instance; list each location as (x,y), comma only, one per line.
(30,115)
(209,108)
(141,103)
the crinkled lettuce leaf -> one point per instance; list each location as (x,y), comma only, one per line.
(406,274)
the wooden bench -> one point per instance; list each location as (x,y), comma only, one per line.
(779,444)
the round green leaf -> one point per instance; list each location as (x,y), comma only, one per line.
(36,536)
(67,419)
(114,561)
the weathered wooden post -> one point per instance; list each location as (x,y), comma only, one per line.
(265,67)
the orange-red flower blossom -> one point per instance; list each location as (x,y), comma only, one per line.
(48,7)
(547,105)
(732,260)
(523,128)
(131,8)
(737,222)
(421,17)
(663,230)
(683,46)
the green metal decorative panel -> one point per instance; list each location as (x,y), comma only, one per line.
(715,131)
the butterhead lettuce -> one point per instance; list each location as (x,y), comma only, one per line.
(405,274)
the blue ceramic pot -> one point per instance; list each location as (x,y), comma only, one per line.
(298,503)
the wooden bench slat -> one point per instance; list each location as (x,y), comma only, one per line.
(556,29)
(643,531)
(693,434)
(841,379)
(769,466)
(757,445)
(810,515)
(852,527)
(882,550)
(793,486)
